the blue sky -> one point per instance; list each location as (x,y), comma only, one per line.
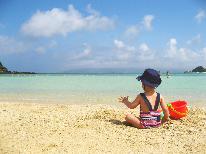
(56,36)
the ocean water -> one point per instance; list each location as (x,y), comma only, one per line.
(97,88)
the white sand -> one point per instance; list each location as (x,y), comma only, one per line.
(50,128)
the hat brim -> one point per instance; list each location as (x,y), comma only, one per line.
(139,78)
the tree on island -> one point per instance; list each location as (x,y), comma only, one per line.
(199,69)
(4,70)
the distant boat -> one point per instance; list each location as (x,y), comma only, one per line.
(167,74)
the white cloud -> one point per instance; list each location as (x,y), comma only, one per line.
(180,54)
(144,47)
(119,44)
(131,53)
(10,45)
(84,54)
(203,53)
(91,10)
(52,44)
(61,22)
(124,52)
(147,21)
(187,54)
(145,53)
(200,16)
(195,40)
(141,56)
(172,51)
(87,50)
(94,61)
(132,31)
(42,49)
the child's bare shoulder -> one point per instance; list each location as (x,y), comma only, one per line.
(161,98)
(139,96)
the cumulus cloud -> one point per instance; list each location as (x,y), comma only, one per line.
(87,51)
(145,53)
(179,54)
(172,51)
(124,52)
(119,44)
(200,16)
(142,55)
(132,53)
(92,11)
(132,31)
(194,40)
(9,45)
(144,47)
(187,54)
(147,21)
(42,49)
(203,53)
(61,22)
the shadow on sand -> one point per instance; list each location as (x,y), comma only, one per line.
(118,122)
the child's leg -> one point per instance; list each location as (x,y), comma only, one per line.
(133,120)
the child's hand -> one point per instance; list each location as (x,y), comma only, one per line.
(123,99)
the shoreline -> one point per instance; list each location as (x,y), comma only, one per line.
(64,128)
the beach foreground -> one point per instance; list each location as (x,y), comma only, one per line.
(45,128)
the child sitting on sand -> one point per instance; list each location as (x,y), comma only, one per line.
(149,102)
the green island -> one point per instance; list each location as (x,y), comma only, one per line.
(199,69)
(4,70)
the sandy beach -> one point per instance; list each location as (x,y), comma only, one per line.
(55,128)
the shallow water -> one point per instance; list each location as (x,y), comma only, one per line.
(96,88)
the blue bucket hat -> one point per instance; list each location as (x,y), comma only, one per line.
(150,77)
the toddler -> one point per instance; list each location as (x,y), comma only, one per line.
(149,102)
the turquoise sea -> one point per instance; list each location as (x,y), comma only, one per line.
(97,88)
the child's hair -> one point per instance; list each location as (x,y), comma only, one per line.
(147,88)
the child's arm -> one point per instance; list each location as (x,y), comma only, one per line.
(129,104)
(164,109)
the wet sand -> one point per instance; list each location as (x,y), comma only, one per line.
(57,128)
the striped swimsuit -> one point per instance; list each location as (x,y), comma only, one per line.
(151,118)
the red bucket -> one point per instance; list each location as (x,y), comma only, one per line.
(177,109)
